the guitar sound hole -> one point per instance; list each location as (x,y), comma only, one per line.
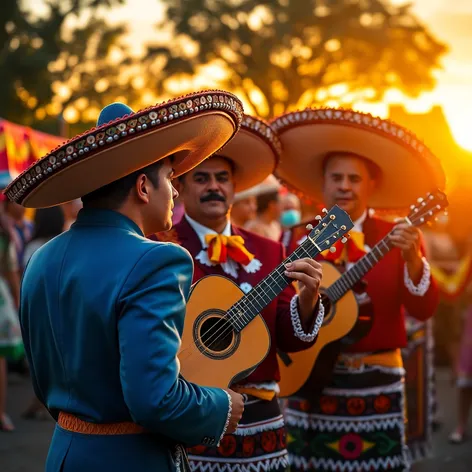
(216,334)
(329,309)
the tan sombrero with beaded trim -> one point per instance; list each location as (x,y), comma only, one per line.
(255,152)
(408,167)
(191,128)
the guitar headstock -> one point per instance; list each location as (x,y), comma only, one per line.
(331,228)
(426,209)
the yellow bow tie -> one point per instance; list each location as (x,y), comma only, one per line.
(221,246)
(352,251)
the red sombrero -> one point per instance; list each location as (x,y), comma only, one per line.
(408,167)
(191,128)
(255,152)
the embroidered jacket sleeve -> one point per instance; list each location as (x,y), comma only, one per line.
(152,308)
(420,298)
(291,336)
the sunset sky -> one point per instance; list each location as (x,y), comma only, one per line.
(449,20)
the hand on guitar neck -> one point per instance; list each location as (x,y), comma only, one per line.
(308,273)
(237,410)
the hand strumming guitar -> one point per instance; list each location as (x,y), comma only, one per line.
(237,410)
(407,238)
(308,273)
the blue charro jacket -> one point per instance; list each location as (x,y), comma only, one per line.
(102,312)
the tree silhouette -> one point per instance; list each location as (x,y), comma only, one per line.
(282,54)
(47,65)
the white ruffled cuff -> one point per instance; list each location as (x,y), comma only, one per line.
(230,409)
(423,286)
(297,324)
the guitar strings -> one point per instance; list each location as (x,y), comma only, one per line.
(220,329)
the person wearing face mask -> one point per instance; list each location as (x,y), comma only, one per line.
(221,248)
(359,162)
(291,211)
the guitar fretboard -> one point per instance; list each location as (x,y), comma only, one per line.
(345,283)
(251,304)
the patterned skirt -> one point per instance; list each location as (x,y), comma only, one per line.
(356,425)
(258,445)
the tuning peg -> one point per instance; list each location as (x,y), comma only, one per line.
(332,249)
(317,231)
(412,207)
(327,242)
(343,227)
(324,210)
(324,225)
(430,213)
(332,217)
(318,217)
(423,204)
(431,197)
(344,240)
(309,226)
(419,200)
(438,207)
(421,220)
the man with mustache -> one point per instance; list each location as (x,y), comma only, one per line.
(259,444)
(357,161)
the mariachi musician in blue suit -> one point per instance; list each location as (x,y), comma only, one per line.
(102,307)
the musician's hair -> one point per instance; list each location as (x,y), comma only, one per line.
(113,195)
(373,169)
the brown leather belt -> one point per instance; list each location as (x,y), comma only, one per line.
(76,425)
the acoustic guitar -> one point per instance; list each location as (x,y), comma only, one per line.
(224,337)
(342,324)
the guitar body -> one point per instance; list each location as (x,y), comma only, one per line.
(212,353)
(339,321)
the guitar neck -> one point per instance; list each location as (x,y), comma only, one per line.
(355,274)
(251,304)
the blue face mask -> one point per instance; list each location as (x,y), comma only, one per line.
(290,218)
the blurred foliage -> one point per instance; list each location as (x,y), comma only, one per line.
(282,54)
(46,63)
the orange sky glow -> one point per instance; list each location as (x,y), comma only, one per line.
(449,20)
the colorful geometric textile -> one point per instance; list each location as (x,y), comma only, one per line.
(357,424)
(259,444)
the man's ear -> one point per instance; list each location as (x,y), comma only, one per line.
(142,188)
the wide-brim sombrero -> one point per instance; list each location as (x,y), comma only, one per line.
(254,151)
(191,128)
(408,168)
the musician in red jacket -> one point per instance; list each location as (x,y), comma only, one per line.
(359,162)
(220,248)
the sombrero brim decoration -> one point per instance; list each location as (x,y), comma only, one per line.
(254,151)
(408,168)
(191,128)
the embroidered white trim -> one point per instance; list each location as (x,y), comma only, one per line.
(230,410)
(420,289)
(273,386)
(297,325)
(321,463)
(230,267)
(260,426)
(321,423)
(264,463)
